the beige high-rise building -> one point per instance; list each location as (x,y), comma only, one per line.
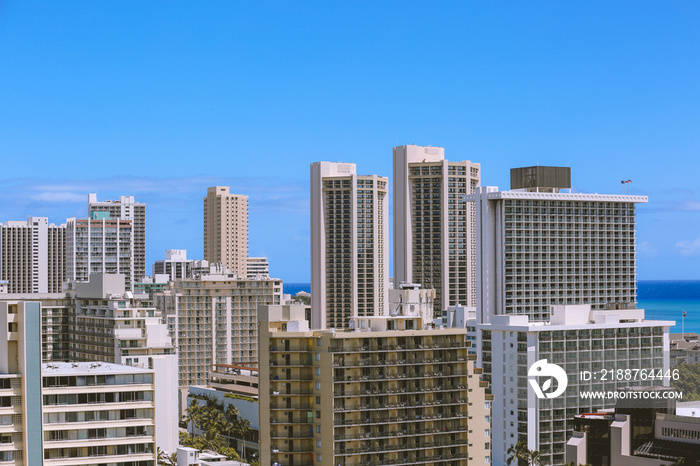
(226,229)
(388,393)
(434,229)
(213,320)
(349,244)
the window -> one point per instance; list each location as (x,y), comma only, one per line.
(318,414)
(318,386)
(318,371)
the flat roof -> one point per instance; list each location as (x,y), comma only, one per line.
(88,368)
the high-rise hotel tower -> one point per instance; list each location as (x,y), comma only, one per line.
(539,246)
(434,242)
(226,229)
(349,250)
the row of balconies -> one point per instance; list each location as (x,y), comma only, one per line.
(416,375)
(379,449)
(397,390)
(377,348)
(443,423)
(383,362)
(376,405)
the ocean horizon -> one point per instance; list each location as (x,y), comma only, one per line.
(661,299)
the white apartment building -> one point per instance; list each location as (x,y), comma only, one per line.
(176,265)
(99,321)
(577,339)
(32,255)
(226,229)
(258,267)
(390,392)
(76,413)
(108,324)
(213,320)
(98,413)
(126,208)
(349,244)
(100,244)
(538,246)
(434,228)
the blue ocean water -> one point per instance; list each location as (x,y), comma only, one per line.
(666,300)
(662,300)
(294,288)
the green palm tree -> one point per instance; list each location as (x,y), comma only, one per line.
(517,452)
(533,458)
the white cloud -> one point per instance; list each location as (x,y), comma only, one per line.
(689,248)
(647,249)
(690,205)
(49,196)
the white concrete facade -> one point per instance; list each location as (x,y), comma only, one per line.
(176,265)
(126,208)
(536,250)
(434,229)
(349,244)
(100,244)
(258,267)
(581,340)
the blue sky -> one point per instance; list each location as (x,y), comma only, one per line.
(162,99)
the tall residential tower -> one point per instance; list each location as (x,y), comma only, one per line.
(349,250)
(32,255)
(434,241)
(226,229)
(127,209)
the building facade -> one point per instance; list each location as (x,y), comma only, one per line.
(537,249)
(126,208)
(98,413)
(77,413)
(100,244)
(32,255)
(577,339)
(213,320)
(434,228)
(175,265)
(349,244)
(258,267)
(226,229)
(392,393)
